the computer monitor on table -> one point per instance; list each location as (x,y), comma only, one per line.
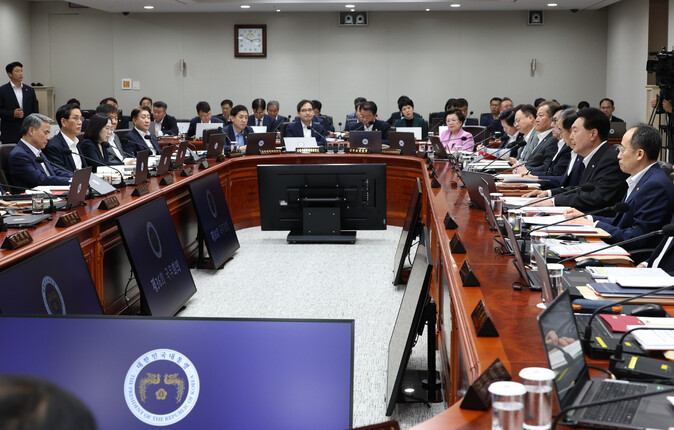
(191,373)
(54,282)
(157,259)
(411,229)
(322,202)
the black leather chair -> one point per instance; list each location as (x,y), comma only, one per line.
(5,149)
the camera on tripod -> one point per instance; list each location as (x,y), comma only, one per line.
(663,67)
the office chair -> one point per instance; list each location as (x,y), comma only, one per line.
(5,149)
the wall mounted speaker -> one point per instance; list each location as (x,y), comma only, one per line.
(535,17)
(353,19)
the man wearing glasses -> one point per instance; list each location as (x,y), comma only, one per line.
(305,127)
(62,149)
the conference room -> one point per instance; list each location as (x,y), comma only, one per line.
(188,54)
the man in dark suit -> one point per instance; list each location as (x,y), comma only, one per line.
(462,104)
(547,142)
(321,119)
(203,116)
(491,119)
(226,115)
(237,132)
(26,170)
(369,121)
(259,117)
(163,124)
(565,169)
(306,127)
(273,109)
(17,101)
(589,133)
(63,148)
(607,106)
(650,192)
(140,138)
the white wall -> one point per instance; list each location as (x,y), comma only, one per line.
(15,37)
(670,33)
(627,51)
(427,56)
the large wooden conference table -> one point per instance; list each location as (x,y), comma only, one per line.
(463,355)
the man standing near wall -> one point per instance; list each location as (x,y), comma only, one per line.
(17,101)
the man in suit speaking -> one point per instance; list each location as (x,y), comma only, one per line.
(17,101)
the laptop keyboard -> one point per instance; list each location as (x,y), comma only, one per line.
(617,412)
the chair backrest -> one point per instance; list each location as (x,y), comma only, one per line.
(388,425)
(667,168)
(479,132)
(5,149)
(284,125)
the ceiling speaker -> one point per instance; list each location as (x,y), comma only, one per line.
(535,17)
(353,19)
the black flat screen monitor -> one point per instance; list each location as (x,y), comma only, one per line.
(54,282)
(408,321)
(215,221)
(188,373)
(410,231)
(322,202)
(157,259)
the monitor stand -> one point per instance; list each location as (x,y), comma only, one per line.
(321,225)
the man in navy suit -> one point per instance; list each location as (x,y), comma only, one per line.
(369,121)
(17,101)
(140,138)
(650,192)
(306,127)
(320,118)
(589,133)
(277,120)
(546,144)
(259,117)
(462,104)
(491,119)
(63,149)
(203,116)
(237,132)
(26,170)
(164,124)
(607,106)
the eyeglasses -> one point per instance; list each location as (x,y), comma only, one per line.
(77,118)
(306,110)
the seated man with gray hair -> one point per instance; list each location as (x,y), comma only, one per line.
(28,167)
(277,120)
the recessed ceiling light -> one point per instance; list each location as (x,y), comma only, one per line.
(278,10)
(454,5)
(353,10)
(349,5)
(148,7)
(552,4)
(245,6)
(428,10)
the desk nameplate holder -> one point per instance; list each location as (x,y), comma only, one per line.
(167,180)
(468,278)
(141,190)
(68,220)
(359,150)
(234,154)
(203,164)
(17,240)
(450,224)
(477,396)
(455,245)
(187,171)
(484,326)
(108,203)
(391,151)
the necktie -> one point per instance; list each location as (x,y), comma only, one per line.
(44,165)
(259,121)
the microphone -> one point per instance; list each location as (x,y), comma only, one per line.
(310,128)
(500,152)
(121,183)
(667,230)
(362,125)
(585,188)
(538,158)
(620,208)
(44,160)
(107,145)
(340,127)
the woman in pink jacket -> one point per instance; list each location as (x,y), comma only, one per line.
(455,138)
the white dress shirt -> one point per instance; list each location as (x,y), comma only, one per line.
(148,142)
(37,153)
(72,145)
(18,93)
(306,130)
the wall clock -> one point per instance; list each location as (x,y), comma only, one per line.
(250,40)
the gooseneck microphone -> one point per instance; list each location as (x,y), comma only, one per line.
(538,158)
(584,188)
(667,230)
(620,208)
(500,152)
(122,184)
(107,145)
(325,139)
(362,125)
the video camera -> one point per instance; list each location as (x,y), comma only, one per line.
(663,67)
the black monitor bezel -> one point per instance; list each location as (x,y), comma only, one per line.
(409,232)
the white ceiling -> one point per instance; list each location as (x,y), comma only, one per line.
(183,6)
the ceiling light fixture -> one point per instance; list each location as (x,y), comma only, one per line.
(552,4)
(454,5)
(428,10)
(353,10)
(245,6)
(349,5)
(148,7)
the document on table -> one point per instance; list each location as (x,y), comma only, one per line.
(547,220)
(564,250)
(509,178)
(634,277)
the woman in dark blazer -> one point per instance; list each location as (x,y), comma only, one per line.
(97,133)
(406,107)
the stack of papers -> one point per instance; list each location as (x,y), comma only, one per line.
(661,340)
(547,220)
(565,250)
(515,178)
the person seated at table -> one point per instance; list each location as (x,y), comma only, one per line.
(97,133)
(25,169)
(456,138)
(305,127)
(462,105)
(491,119)
(370,122)
(237,132)
(163,123)
(204,117)
(406,107)
(356,123)
(140,138)
(62,149)
(662,256)
(512,136)
(650,192)
(600,167)
(259,118)
(353,116)
(395,116)
(319,117)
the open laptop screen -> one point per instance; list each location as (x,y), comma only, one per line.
(184,373)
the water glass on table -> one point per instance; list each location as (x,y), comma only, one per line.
(38,200)
(538,398)
(538,243)
(496,203)
(507,403)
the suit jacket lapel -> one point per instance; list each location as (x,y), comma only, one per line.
(643,179)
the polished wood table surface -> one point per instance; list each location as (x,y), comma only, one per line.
(463,355)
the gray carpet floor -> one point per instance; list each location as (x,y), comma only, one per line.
(269,278)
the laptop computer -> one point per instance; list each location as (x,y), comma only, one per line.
(489,214)
(574,386)
(100,187)
(216,145)
(292,143)
(141,168)
(403,140)
(24,221)
(208,135)
(438,148)
(78,188)
(366,139)
(259,128)
(617,130)
(165,160)
(473,180)
(180,155)
(260,142)
(415,130)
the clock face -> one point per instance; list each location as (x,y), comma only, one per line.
(250,41)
